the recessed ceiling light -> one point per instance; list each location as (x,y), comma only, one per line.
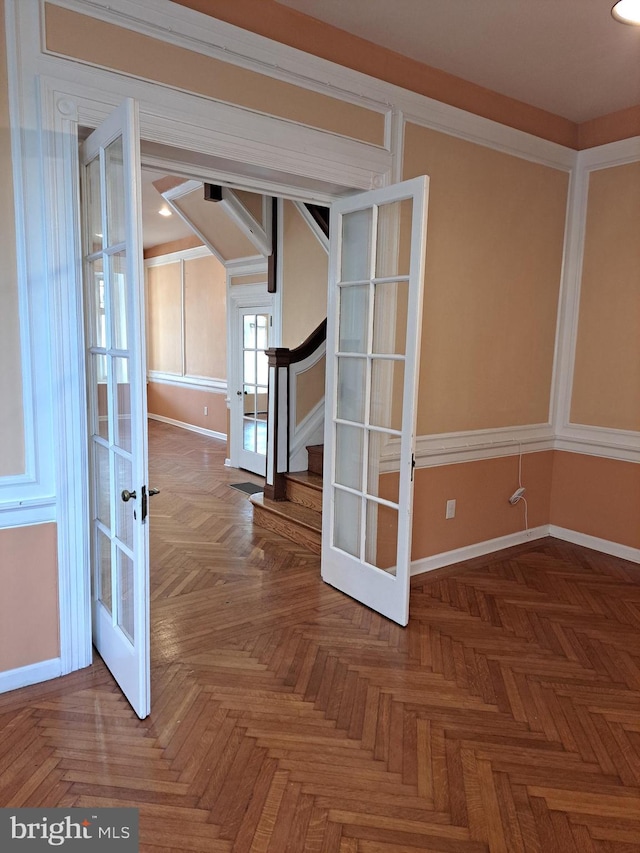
(164,211)
(627,12)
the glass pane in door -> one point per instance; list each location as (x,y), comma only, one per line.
(255,329)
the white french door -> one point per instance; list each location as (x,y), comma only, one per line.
(117,411)
(377,251)
(254,334)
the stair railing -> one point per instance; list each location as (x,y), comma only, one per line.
(282,372)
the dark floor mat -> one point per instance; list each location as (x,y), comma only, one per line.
(247,488)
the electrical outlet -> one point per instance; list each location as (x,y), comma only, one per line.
(451,509)
(515,497)
(206,410)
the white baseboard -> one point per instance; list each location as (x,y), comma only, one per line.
(23,676)
(479,549)
(201,430)
(625,552)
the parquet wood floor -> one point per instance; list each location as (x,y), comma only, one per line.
(287,718)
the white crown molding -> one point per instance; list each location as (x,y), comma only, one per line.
(221,436)
(195,383)
(206,35)
(229,43)
(612,154)
(174,257)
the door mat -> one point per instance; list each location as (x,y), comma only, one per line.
(247,488)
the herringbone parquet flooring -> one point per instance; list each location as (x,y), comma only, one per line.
(288,718)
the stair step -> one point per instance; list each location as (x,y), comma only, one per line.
(292,520)
(315,453)
(305,488)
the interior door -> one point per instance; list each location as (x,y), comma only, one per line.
(117,412)
(252,410)
(377,251)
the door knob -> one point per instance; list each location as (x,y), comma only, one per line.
(239,393)
(126,495)
(154,492)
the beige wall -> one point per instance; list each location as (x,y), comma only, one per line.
(606,382)
(494,254)
(98,43)
(596,496)
(164,318)
(29,597)
(12,458)
(203,335)
(205,318)
(187,405)
(310,389)
(305,275)
(481,490)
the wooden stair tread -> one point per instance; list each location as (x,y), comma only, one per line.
(308,478)
(294,512)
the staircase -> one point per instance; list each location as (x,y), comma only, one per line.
(299,517)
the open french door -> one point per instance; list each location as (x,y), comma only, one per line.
(117,408)
(377,251)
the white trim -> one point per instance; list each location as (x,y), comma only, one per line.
(583,438)
(217,39)
(197,383)
(203,34)
(176,257)
(28,512)
(310,430)
(23,676)
(605,546)
(479,549)
(317,232)
(200,430)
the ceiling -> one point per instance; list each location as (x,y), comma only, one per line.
(157,229)
(569,57)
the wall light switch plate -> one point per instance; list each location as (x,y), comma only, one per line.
(451,509)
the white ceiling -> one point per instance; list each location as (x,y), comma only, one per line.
(157,229)
(569,57)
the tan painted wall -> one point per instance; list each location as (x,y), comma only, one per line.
(310,389)
(205,307)
(164,318)
(98,43)
(174,246)
(481,490)
(596,496)
(29,599)
(12,458)
(606,385)
(305,274)
(494,253)
(204,336)
(187,405)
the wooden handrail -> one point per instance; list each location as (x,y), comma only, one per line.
(279,360)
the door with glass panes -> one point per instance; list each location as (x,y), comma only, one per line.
(377,255)
(116,391)
(255,331)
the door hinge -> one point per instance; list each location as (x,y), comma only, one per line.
(413,465)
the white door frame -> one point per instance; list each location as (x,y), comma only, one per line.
(241,296)
(50,98)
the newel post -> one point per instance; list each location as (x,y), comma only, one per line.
(277,424)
